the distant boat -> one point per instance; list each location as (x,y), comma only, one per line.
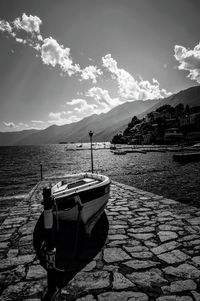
(79,145)
(187,157)
(112,147)
(89,191)
(119,152)
(136,151)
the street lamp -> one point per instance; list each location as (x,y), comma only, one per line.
(91,134)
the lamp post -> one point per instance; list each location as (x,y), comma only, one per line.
(91,134)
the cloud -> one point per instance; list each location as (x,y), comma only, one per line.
(128,87)
(51,52)
(189,60)
(83,108)
(54,54)
(10,124)
(103,99)
(61,118)
(29,23)
(18,126)
(37,121)
(91,72)
(5,26)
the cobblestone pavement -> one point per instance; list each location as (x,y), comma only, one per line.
(152,252)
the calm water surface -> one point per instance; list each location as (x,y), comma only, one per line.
(154,172)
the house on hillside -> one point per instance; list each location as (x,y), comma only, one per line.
(171,123)
(184,120)
(173,135)
(151,117)
(195,119)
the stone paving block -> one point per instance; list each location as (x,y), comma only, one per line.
(196,259)
(196,295)
(152,277)
(179,286)
(121,282)
(116,236)
(174,256)
(165,247)
(184,271)
(140,264)
(167,235)
(36,272)
(122,296)
(141,255)
(20,260)
(115,255)
(174,298)
(142,236)
(136,249)
(141,230)
(89,281)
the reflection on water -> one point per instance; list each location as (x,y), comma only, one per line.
(154,172)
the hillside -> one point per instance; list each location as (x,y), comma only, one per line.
(190,96)
(12,138)
(104,127)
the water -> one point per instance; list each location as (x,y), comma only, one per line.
(154,172)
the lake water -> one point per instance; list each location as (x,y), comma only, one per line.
(154,171)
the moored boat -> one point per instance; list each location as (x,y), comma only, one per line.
(119,152)
(187,157)
(84,198)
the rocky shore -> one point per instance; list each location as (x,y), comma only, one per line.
(152,251)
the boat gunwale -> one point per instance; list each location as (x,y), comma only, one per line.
(72,191)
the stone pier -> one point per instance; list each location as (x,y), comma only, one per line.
(152,251)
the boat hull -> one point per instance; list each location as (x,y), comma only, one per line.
(90,200)
(90,213)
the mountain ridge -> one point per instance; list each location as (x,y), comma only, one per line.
(104,125)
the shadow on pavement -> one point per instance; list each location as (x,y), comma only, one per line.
(67,260)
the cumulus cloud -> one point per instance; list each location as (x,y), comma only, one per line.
(82,107)
(51,52)
(103,99)
(54,54)
(29,23)
(91,72)
(61,118)
(189,60)
(128,87)
(5,26)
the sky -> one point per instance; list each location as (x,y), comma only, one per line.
(65,60)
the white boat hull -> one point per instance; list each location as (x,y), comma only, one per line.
(92,199)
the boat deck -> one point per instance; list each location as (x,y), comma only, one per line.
(150,250)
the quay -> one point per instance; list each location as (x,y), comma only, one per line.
(152,251)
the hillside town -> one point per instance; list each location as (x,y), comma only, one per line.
(165,125)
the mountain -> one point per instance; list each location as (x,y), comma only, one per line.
(12,138)
(104,126)
(190,96)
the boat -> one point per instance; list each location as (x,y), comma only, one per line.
(87,195)
(135,151)
(187,157)
(79,145)
(113,147)
(119,152)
